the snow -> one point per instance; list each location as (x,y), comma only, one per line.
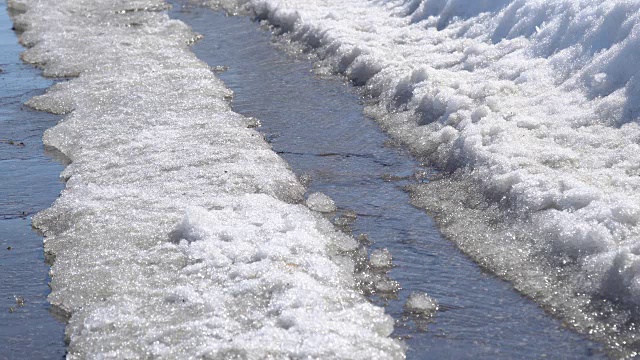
(180,233)
(530,110)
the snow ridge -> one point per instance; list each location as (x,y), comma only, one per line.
(180,233)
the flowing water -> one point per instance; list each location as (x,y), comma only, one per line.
(28,183)
(318,126)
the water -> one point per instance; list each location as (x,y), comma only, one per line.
(28,183)
(318,127)
(531,108)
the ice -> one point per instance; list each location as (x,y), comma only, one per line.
(530,110)
(421,303)
(380,259)
(384,285)
(180,233)
(321,203)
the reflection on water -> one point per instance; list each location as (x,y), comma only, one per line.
(317,125)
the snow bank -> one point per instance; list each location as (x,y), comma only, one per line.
(180,234)
(529,107)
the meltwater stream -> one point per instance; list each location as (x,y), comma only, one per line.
(29,182)
(317,125)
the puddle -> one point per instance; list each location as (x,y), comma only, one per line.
(28,183)
(317,125)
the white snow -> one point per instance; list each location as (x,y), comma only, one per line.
(180,233)
(530,108)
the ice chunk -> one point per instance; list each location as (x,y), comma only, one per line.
(380,259)
(421,303)
(320,202)
(385,285)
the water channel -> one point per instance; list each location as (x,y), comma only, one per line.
(29,182)
(318,126)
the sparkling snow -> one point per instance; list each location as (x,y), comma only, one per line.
(180,233)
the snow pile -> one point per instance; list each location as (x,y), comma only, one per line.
(529,107)
(179,233)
